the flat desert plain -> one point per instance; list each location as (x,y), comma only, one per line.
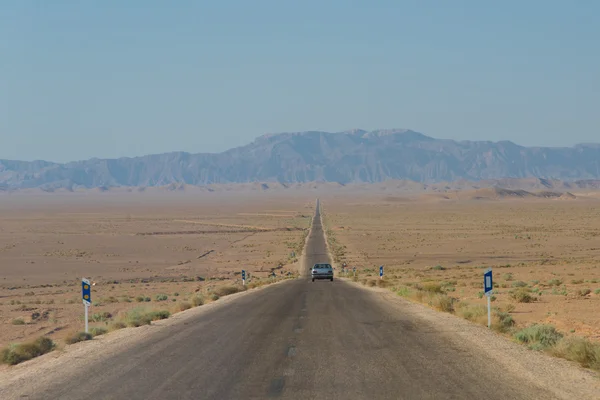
(545,253)
(138,249)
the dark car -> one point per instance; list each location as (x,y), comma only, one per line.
(322,271)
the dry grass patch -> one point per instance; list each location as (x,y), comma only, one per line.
(580,350)
(78,337)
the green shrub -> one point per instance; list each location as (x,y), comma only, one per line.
(139,299)
(139,317)
(18,321)
(156,315)
(97,331)
(539,337)
(519,284)
(161,297)
(554,282)
(17,353)
(438,268)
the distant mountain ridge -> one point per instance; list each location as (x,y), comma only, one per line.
(355,156)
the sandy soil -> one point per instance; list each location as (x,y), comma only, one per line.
(550,246)
(133,247)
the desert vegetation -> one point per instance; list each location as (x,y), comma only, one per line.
(545,260)
(46,247)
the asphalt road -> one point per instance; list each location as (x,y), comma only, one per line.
(298,340)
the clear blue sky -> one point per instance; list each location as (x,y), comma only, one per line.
(127,78)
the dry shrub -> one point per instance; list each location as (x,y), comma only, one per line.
(523,295)
(184,306)
(197,300)
(579,350)
(418,295)
(17,353)
(472,312)
(383,283)
(442,302)
(77,337)
(138,317)
(431,287)
(228,289)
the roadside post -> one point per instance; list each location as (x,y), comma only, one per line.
(381,272)
(86,296)
(244,277)
(354,270)
(487,289)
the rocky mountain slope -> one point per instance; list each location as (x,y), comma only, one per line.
(355,156)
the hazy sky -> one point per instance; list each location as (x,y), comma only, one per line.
(127,78)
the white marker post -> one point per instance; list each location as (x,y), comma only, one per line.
(487,288)
(86,296)
(244,277)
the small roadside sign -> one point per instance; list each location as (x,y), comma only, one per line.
(487,282)
(86,292)
(86,296)
(488,286)
(243,276)
(381,272)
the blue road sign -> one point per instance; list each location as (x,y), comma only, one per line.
(86,292)
(243,274)
(488,285)
(381,270)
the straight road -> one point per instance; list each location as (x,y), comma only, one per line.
(297,340)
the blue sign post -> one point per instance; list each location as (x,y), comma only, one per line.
(488,285)
(243,277)
(86,296)
(381,272)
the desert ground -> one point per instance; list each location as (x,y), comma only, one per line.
(545,252)
(139,250)
(158,250)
